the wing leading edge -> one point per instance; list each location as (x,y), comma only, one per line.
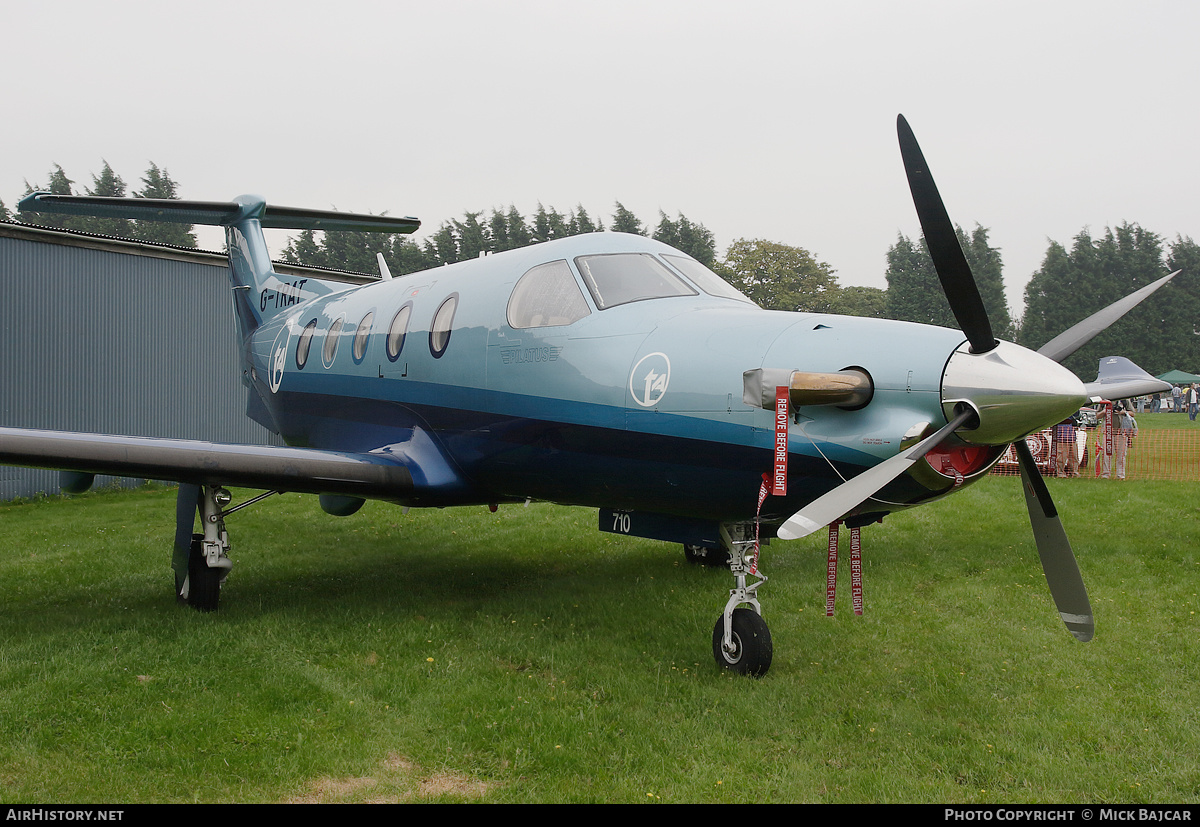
(387,474)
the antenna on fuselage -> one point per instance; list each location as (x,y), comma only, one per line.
(384,272)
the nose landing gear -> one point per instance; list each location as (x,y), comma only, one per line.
(741,639)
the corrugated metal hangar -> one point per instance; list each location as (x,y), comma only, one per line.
(117,337)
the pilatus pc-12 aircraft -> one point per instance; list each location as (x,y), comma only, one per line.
(605,370)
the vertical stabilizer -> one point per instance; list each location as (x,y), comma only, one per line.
(259,293)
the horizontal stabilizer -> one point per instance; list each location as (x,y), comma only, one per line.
(1119,378)
(216,213)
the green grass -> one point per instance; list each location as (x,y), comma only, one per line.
(1167,448)
(1166,421)
(522,656)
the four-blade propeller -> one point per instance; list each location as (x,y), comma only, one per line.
(995,400)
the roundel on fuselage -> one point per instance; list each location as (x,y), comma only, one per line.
(649,379)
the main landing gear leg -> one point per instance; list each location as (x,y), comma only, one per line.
(208,562)
(741,640)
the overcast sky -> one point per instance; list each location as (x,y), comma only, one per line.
(770,120)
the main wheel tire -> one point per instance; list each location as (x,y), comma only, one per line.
(204,583)
(705,556)
(751,640)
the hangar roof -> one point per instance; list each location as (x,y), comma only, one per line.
(92,241)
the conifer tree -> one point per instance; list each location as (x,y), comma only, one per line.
(518,231)
(915,293)
(109,185)
(580,222)
(548,224)
(497,232)
(623,221)
(158,184)
(305,249)
(1071,285)
(469,237)
(59,184)
(407,257)
(694,239)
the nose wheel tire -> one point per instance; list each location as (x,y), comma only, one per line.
(752,649)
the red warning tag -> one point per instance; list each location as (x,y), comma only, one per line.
(856,571)
(779,484)
(856,592)
(763,488)
(831,570)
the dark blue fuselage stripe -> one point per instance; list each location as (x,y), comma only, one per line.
(507,458)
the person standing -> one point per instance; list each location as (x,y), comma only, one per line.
(1066,461)
(1124,430)
(1193,402)
(1176,397)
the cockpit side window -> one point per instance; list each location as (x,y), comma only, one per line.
(546,296)
(620,278)
(705,279)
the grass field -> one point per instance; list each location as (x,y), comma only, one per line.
(521,656)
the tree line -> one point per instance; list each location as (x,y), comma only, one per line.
(1160,334)
(478,233)
(156,183)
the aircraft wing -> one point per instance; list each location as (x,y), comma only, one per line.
(386,474)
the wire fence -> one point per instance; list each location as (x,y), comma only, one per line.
(1157,454)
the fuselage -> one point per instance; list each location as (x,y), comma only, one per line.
(602,397)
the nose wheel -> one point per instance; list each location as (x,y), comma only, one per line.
(741,639)
(750,648)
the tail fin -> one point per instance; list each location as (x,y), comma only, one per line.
(1119,378)
(257,288)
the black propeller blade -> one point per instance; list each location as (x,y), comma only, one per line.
(1058,560)
(953,271)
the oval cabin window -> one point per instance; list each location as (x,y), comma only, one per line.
(304,345)
(439,331)
(397,331)
(331,340)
